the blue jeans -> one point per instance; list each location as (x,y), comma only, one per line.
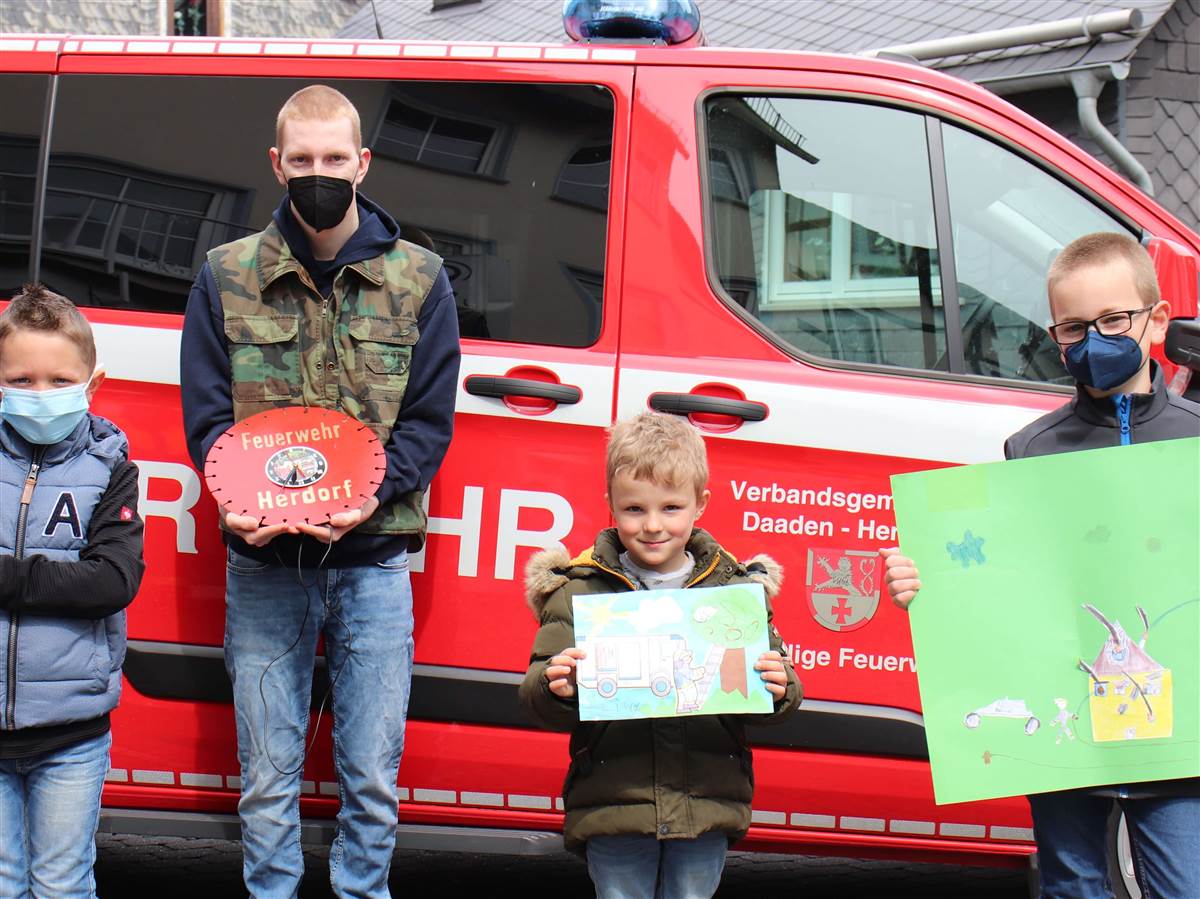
(49,808)
(1070,830)
(634,866)
(365,614)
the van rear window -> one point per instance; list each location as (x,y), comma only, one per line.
(493,177)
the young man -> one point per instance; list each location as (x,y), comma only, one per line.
(327,307)
(1107,313)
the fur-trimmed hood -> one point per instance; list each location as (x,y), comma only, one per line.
(552,568)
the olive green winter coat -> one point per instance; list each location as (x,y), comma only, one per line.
(675,778)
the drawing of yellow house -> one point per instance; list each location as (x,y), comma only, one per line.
(1129,694)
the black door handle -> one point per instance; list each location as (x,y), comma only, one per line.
(684,403)
(499,387)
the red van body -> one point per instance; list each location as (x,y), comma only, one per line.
(808,403)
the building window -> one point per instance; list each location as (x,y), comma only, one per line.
(195,18)
(584,178)
(727,175)
(117,214)
(439,140)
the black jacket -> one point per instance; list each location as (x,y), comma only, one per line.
(1089,423)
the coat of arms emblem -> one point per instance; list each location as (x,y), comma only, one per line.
(842,587)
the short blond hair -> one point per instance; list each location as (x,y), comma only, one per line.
(1101,248)
(663,449)
(37,308)
(319,102)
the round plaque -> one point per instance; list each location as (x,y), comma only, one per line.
(295,463)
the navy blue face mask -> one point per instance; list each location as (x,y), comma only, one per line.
(1102,361)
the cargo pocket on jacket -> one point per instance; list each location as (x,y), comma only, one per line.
(383,356)
(264,357)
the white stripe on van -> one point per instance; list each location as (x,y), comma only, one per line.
(130,353)
(850,421)
(295,47)
(800,416)
(138,354)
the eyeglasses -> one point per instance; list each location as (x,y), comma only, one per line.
(1110,324)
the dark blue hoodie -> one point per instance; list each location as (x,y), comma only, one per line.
(422,432)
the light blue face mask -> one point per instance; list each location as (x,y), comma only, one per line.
(44,416)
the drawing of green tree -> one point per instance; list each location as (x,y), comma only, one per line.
(730,621)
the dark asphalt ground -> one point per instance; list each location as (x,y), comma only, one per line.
(134,867)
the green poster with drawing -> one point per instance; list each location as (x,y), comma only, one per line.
(1057,630)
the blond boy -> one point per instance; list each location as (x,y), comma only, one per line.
(653,804)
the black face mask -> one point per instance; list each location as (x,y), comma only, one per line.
(320,200)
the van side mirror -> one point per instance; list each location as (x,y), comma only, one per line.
(1177,276)
(1183,343)
(1179,285)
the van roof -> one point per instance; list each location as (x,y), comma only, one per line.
(153,45)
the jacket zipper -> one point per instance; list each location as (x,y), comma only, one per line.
(14,618)
(1123,402)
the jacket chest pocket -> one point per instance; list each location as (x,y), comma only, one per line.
(264,356)
(382,355)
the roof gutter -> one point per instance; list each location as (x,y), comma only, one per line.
(1087,27)
(1087,83)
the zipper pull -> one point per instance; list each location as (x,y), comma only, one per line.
(30,481)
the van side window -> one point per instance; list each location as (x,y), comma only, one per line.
(822,226)
(139,188)
(20,128)
(1010,220)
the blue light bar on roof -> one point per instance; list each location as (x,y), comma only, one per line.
(666,21)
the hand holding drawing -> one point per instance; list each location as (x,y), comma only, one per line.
(560,672)
(901,576)
(770,668)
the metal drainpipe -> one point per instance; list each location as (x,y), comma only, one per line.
(1087,89)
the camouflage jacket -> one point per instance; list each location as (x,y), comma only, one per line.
(350,351)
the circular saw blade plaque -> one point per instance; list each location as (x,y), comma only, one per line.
(295,463)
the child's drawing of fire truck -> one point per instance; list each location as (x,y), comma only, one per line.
(613,663)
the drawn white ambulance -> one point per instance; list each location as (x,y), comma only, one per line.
(615,662)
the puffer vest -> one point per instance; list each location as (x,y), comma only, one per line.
(289,346)
(56,670)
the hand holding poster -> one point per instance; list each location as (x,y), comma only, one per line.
(1057,630)
(666,653)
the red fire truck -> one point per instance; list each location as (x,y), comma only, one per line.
(832,265)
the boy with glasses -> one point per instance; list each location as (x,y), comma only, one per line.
(1107,313)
